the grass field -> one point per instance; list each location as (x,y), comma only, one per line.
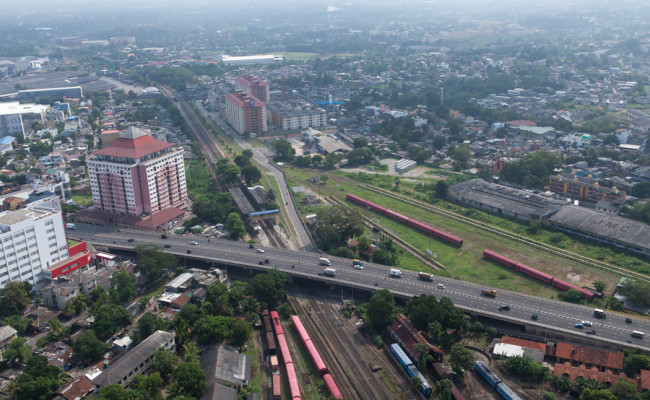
(83,200)
(464,263)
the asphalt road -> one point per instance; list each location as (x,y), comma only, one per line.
(552,315)
(262,156)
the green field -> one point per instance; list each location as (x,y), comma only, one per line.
(464,263)
(84,200)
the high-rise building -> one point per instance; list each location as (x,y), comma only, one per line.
(32,239)
(253,86)
(137,175)
(246,113)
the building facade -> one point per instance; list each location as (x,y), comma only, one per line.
(586,189)
(252,60)
(32,239)
(286,118)
(137,175)
(246,113)
(253,86)
(13,113)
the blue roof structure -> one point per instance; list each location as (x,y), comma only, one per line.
(267,212)
(7,140)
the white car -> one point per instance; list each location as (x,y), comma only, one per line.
(260,251)
(357,266)
(585,323)
(194,243)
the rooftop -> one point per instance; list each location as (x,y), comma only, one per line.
(125,365)
(133,143)
(15,107)
(6,332)
(589,355)
(604,225)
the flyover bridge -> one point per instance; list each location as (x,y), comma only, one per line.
(555,319)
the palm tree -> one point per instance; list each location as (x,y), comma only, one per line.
(270,196)
(250,305)
(191,352)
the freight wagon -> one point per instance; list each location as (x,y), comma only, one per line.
(532,272)
(309,345)
(331,387)
(294,388)
(405,220)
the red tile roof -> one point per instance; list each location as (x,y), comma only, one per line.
(77,389)
(644,381)
(572,373)
(133,148)
(589,355)
(529,344)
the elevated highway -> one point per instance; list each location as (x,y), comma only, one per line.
(555,319)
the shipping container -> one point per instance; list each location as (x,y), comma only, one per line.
(332,388)
(270,341)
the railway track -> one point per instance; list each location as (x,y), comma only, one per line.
(211,148)
(513,236)
(403,244)
(342,347)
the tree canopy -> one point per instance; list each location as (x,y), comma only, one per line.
(381,309)
(268,288)
(533,170)
(88,347)
(153,262)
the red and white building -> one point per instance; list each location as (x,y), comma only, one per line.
(246,113)
(253,86)
(137,175)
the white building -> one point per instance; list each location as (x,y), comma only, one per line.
(251,60)
(32,239)
(12,114)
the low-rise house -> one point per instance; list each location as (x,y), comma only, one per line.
(588,356)
(7,334)
(77,389)
(136,361)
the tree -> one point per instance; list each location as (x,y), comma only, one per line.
(14,298)
(251,174)
(439,141)
(88,347)
(122,286)
(381,310)
(268,288)
(562,383)
(527,368)
(164,362)
(633,364)
(38,381)
(147,387)
(283,150)
(597,394)
(441,189)
(240,332)
(443,389)
(435,331)
(572,295)
(624,390)
(235,226)
(191,352)
(424,356)
(17,322)
(153,262)
(600,286)
(108,319)
(637,292)
(190,379)
(189,313)
(148,324)
(248,153)
(18,351)
(460,359)
(113,392)
(211,329)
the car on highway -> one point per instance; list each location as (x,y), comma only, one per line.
(504,307)
(533,317)
(189,252)
(260,251)
(131,240)
(358,266)
(579,326)
(441,286)
(628,320)
(167,246)
(585,323)
(193,243)
(591,332)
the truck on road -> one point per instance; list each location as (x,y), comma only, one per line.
(71,226)
(489,292)
(600,314)
(425,276)
(324,261)
(395,273)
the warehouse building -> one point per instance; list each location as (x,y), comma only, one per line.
(504,200)
(604,227)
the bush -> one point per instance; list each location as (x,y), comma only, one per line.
(376,339)
(549,396)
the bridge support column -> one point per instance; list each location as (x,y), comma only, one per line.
(290,278)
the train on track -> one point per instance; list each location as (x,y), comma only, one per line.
(294,388)
(411,369)
(532,272)
(331,386)
(494,381)
(405,220)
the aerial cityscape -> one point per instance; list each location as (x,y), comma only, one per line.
(346,200)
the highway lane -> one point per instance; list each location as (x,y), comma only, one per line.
(553,315)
